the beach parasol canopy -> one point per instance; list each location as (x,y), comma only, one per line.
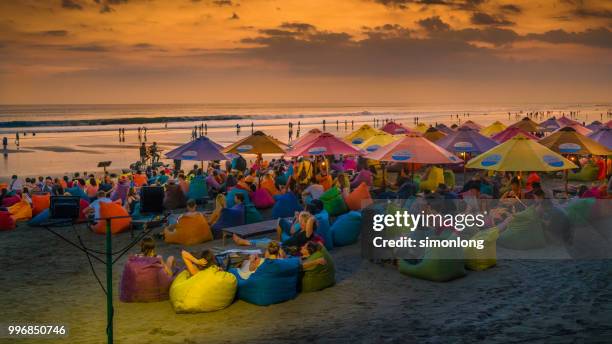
(443,128)
(471,124)
(609,124)
(421,128)
(520,154)
(414,148)
(377,141)
(394,128)
(594,126)
(578,128)
(433,134)
(528,125)
(511,132)
(550,124)
(257,143)
(466,140)
(603,136)
(361,134)
(309,136)
(563,121)
(200,149)
(494,128)
(324,144)
(567,141)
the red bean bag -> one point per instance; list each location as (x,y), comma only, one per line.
(7,222)
(359,198)
(82,205)
(262,199)
(40,202)
(109,210)
(144,279)
(10,200)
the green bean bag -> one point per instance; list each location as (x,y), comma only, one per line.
(579,210)
(449,178)
(438,264)
(587,173)
(333,202)
(524,232)
(252,215)
(321,276)
(209,290)
(479,260)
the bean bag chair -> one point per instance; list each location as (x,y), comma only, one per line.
(78,192)
(40,202)
(262,198)
(251,214)
(321,276)
(144,280)
(229,199)
(578,211)
(7,222)
(174,198)
(39,219)
(601,165)
(359,198)
(479,260)
(189,230)
(209,290)
(333,202)
(21,211)
(109,210)
(230,217)
(269,185)
(285,205)
(449,178)
(140,180)
(588,173)
(274,281)
(438,265)
(350,164)
(197,188)
(345,230)
(10,200)
(524,232)
(434,178)
(324,229)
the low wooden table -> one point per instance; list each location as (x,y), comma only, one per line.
(252,229)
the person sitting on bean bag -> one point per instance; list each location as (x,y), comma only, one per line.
(194,264)
(230,217)
(173,197)
(324,179)
(216,213)
(269,184)
(93,210)
(318,271)
(273,250)
(190,229)
(147,249)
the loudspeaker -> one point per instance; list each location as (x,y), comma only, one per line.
(64,207)
(151,199)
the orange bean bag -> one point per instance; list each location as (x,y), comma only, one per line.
(325,181)
(21,211)
(359,198)
(269,185)
(109,210)
(140,179)
(40,202)
(190,230)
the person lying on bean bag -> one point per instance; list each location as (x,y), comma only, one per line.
(191,228)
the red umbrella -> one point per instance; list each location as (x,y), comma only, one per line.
(324,144)
(310,135)
(394,128)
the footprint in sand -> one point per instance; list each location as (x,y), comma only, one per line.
(158,330)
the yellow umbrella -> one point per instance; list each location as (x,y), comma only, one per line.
(567,141)
(421,128)
(433,134)
(528,125)
(360,135)
(495,128)
(520,154)
(257,143)
(377,141)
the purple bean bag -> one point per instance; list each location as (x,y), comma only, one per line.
(262,199)
(10,200)
(144,280)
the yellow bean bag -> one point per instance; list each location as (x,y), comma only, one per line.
(479,260)
(190,230)
(435,178)
(209,290)
(21,211)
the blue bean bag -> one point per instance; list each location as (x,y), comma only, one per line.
(229,199)
(286,205)
(345,230)
(78,192)
(230,217)
(274,281)
(197,188)
(252,215)
(39,219)
(324,230)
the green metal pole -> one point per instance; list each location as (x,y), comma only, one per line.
(109,283)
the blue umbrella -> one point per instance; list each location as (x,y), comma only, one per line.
(200,149)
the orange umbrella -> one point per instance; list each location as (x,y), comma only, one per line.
(257,143)
(577,128)
(567,141)
(414,148)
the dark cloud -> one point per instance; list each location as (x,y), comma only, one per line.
(86,48)
(592,13)
(143,46)
(510,8)
(456,4)
(601,37)
(54,33)
(71,5)
(105,5)
(481,18)
(433,24)
(297,26)
(223,2)
(234,16)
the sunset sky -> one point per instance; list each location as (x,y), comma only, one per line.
(162,51)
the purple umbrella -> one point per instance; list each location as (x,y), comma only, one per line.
(550,124)
(603,136)
(443,128)
(200,149)
(595,125)
(466,140)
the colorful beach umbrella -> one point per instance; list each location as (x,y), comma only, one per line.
(257,143)
(520,154)
(414,148)
(309,136)
(528,125)
(377,141)
(361,134)
(324,144)
(563,121)
(433,134)
(550,125)
(567,141)
(603,136)
(594,126)
(443,128)
(200,149)
(494,128)
(511,132)
(466,140)
(421,128)
(579,128)
(394,128)
(472,125)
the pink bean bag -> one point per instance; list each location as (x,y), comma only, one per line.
(144,280)
(10,200)
(262,199)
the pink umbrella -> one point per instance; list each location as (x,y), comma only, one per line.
(564,121)
(578,127)
(308,137)
(511,132)
(394,128)
(416,149)
(324,144)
